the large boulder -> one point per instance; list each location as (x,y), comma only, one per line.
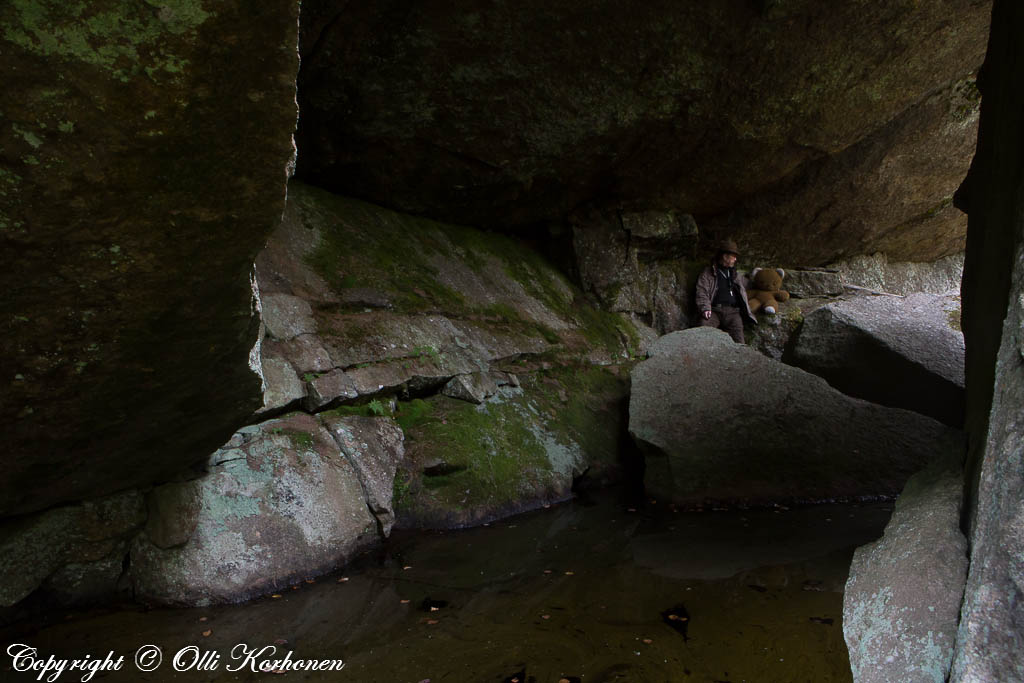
(990,641)
(281,501)
(902,599)
(904,352)
(515,113)
(719,421)
(76,552)
(146,148)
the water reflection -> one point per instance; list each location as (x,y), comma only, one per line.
(578,592)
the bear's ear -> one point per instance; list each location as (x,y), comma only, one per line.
(754,273)
(781,272)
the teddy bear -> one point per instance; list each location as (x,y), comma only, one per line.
(764,292)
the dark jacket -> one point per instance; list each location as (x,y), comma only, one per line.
(707,287)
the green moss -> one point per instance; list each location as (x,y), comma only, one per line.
(125,41)
(491,453)
(955,320)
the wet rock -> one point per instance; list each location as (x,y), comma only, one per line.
(902,599)
(475,388)
(900,352)
(280,504)
(719,421)
(35,547)
(128,134)
(374,447)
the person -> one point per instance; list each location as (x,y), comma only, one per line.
(722,295)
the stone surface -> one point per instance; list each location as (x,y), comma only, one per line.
(636,262)
(327,388)
(990,640)
(459,301)
(717,421)
(35,547)
(475,388)
(522,448)
(282,385)
(876,272)
(513,114)
(374,447)
(803,284)
(902,598)
(132,204)
(278,504)
(901,352)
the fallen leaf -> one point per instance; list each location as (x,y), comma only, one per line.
(203,618)
(295,588)
(343,579)
(207,632)
(407,567)
(648,641)
(545,616)
(404,601)
(278,671)
(433,621)
(276,595)
(310,580)
(673,617)
(570,573)
(435,609)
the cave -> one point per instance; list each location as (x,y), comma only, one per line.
(311,298)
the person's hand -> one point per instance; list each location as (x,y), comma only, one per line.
(707,315)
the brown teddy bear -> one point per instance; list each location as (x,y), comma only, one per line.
(764,291)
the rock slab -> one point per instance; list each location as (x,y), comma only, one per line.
(281,501)
(718,421)
(902,599)
(904,352)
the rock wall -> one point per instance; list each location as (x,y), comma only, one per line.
(990,642)
(144,153)
(507,382)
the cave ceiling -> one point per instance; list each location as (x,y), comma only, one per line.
(808,131)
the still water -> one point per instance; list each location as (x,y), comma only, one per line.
(584,591)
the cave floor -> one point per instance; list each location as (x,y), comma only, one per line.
(588,590)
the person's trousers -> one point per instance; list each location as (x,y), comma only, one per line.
(727,318)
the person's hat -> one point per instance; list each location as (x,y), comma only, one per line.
(728,246)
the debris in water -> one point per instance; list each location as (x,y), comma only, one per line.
(678,618)
(429,605)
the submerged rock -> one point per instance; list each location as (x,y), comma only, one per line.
(280,502)
(718,421)
(902,599)
(900,352)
